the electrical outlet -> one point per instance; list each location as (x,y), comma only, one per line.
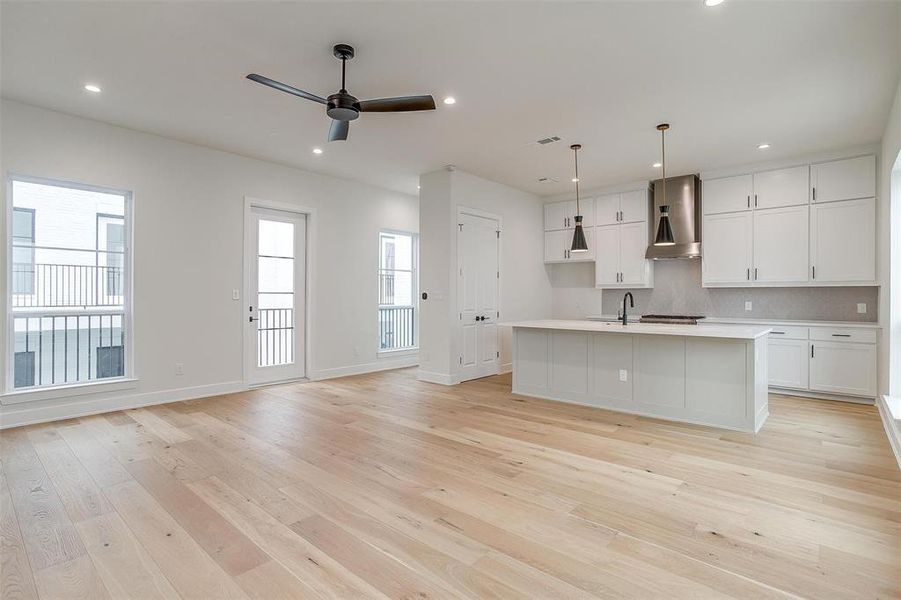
(236,295)
(748,305)
(623,375)
(861,307)
(179,368)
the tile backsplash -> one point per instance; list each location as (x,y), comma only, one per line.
(677,290)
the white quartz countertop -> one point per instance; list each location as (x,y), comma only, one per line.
(741,332)
(759,322)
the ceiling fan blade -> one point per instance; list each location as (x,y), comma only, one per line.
(285,88)
(338,130)
(402,104)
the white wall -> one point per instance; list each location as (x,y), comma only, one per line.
(889,220)
(188,206)
(525,291)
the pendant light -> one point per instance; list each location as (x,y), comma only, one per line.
(579,242)
(664,235)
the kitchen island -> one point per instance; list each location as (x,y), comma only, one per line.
(712,375)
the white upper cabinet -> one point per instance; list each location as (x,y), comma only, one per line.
(728,248)
(607,209)
(781,245)
(555,216)
(561,215)
(606,260)
(843,241)
(557,246)
(783,187)
(847,179)
(633,206)
(727,194)
(633,243)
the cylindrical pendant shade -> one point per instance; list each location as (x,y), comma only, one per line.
(580,244)
(664,229)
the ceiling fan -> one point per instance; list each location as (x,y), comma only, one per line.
(343,107)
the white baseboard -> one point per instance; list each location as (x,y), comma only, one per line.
(892,430)
(506,368)
(80,406)
(433,377)
(383,364)
(820,395)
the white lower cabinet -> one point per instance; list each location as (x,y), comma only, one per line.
(843,368)
(788,363)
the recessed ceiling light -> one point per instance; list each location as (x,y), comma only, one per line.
(450,100)
(763,146)
(657,165)
(92,88)
(317,150)
(712,2)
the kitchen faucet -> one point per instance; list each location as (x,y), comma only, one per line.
(631,303)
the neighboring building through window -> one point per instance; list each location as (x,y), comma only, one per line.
(397,291)
(69,299)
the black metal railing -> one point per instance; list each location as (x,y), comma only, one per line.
(275,336)
(68,348)
(57,285)
(397,327)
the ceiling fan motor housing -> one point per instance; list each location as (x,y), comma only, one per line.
(342,106)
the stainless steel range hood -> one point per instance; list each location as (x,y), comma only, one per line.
(683,195)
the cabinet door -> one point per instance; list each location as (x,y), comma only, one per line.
(633,243)
(633,206)
(727,194)
(843,241)
(587,207)
(555,245)
(787,363)
(570,208)
(555,216)
(727,248)
(781,245)
(843,179)
(783,187)
(606,255)
(843,368)
(605,209)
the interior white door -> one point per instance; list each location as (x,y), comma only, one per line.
(606,255)
(728,246)
(843,241)
(633,243)
(781,246)
(477,286)
(276,296)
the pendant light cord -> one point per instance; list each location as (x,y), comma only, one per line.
(663,164)
(576,152)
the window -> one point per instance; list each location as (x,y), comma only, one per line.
(69,302)
(397,291)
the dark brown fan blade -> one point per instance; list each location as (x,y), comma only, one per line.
(402,104)
(285,88)
(338,130)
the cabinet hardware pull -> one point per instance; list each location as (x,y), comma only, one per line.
(814,193)
(755,199)
(811,351)
(778,332)
(749,200)
(841,335)
(814,270)
(755,273)
(749,273)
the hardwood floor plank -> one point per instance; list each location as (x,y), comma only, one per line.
(190,570)
(379,486)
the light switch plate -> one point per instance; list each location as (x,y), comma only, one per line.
(861,307)
(748,305)
(623,375)
(236,295)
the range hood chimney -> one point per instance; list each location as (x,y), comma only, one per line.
(683,196)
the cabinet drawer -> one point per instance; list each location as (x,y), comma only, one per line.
(843,334)
(788,333)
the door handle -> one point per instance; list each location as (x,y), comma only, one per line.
(251,319)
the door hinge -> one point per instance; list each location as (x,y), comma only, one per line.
(498,274)
(460,225)
(498,314)
(461,316)
(498,354)
(461,360)
(498,232)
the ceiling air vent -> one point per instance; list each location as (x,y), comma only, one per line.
(548,140)
(548,180)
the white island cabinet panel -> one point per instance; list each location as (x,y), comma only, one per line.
(710,375)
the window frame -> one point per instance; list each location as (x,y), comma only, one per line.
(11,249)
(414,284)
(129,378)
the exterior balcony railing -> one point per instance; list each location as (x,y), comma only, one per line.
(397,327)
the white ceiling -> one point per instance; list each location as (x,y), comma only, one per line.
(803,76)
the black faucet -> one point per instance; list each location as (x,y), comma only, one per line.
(631,303)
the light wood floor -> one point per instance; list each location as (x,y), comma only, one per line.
(378,485)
